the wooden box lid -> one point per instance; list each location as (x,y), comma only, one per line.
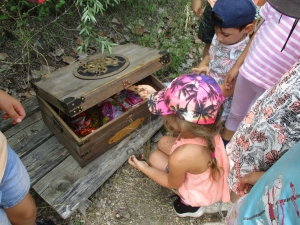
(73,95)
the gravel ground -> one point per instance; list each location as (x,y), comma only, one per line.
(127,197)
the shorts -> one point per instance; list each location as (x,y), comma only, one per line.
(14,185)
(206,29)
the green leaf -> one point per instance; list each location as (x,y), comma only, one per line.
(20,23)
(3,17)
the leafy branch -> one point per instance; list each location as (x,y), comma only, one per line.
(86,30)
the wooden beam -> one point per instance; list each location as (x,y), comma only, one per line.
(67,185)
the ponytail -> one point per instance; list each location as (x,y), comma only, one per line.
(215,170)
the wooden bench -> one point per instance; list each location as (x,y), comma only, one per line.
(54,173)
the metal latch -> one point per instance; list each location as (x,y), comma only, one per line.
(126,84)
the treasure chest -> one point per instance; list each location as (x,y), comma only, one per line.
(77,101)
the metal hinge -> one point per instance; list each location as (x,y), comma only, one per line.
(72,106)
(84,142)
(165,58)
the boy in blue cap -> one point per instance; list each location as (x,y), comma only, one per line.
(232,20)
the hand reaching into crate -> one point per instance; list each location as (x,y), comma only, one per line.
(144,91)
(12,107)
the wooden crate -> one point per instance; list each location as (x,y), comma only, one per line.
(62,94)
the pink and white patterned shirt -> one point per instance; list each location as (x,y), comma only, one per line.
(265,63)
(222,58)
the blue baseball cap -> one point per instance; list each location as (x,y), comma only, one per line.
(233,13)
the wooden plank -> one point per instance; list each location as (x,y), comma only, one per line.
(44,158)
(30,105)
(28,135)
(67,185)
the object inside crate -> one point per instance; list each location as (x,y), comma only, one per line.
(102,113)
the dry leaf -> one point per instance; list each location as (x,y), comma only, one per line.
(3,56)
(79,41)
(59,51)
(126,38)
(30,93)
(5,67)
(102,33)
(68,59)
(114,20)
(46,69)
(83,55)
(38,44)
(52,55)
(138,30)
(36,74)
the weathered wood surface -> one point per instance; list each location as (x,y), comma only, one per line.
(62,84)
(58,187)
(54,173)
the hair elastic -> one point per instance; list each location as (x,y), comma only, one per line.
(213,155)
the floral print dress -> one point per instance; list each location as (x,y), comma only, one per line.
(222,58)
(268,131)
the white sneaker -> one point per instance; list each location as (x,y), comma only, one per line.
(218,207)
(214,223)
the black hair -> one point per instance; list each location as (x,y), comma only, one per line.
(217,21)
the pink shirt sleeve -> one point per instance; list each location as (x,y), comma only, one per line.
(264,10)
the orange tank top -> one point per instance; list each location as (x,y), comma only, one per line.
(200,189)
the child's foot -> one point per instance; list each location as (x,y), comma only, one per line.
(184,210)
(218,207)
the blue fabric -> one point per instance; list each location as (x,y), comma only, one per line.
(234,13)
(275,198)
(14,185)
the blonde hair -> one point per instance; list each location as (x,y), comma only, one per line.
(205,131)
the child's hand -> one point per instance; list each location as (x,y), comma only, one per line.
(137,163)
(12,107)
(230,77)
(202,69)
(226,92)
(145,91)
(249,180)
(196,6)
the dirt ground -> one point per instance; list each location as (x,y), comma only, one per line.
(127,197)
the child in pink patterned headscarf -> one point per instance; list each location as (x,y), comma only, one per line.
(194,163)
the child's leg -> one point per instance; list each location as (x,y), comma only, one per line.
(23,213)
(234,197)
(159,158)
(245,93)
(16,201)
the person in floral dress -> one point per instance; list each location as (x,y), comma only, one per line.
(269,130)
